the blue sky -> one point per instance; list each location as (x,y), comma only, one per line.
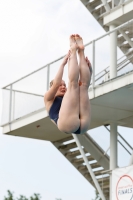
(32,34)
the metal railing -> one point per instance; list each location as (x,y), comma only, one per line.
(116,3)
(16,91)
(107,5)
(130,147)
(121,63)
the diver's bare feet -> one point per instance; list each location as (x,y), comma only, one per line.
(73,44)
(79,42)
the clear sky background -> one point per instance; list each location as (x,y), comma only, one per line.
(33,33)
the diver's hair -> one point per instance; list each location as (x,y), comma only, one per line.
(51,83)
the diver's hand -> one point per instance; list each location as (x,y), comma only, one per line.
(65,59)
(89,64)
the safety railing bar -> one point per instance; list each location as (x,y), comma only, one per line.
(34,71)
(125,141)
(125,54)
(121,138)
(123,66)
(13,114)
(48,76)
(102,71)
(108,72)
(104,154)
(26,92)
(123,146)
(106,151)
(100,77)
(10,107)
(109,32)
(93,65)
(125,60)
(42,95)
(24,116)
(117,64)
(88,43)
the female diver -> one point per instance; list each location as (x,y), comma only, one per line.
(69,108)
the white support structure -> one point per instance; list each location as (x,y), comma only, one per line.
(10,107)
(113,151)
(48,76)
(131,160)
(113,145)
(93,65)
(113,53)
(106,5)
(89,167)
(121,2)
(126,37)
(13,106)
(116,2)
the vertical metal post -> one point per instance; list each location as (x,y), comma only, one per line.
(113,53)
(10,107)
(131,160)
(93,65)
(13,115)
(89,167)
(112,4)
(48,76)
(113,151)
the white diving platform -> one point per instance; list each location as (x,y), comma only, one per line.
(111,101)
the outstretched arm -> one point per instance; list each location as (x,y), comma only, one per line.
(50,94)
(58,78)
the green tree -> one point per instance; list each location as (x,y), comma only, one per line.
(58,199)
(11,197)
(97,197)
(35,197)
(22,198)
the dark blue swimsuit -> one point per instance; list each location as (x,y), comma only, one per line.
(54,111)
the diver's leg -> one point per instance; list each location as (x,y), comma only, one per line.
(85,76)
(69,112)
